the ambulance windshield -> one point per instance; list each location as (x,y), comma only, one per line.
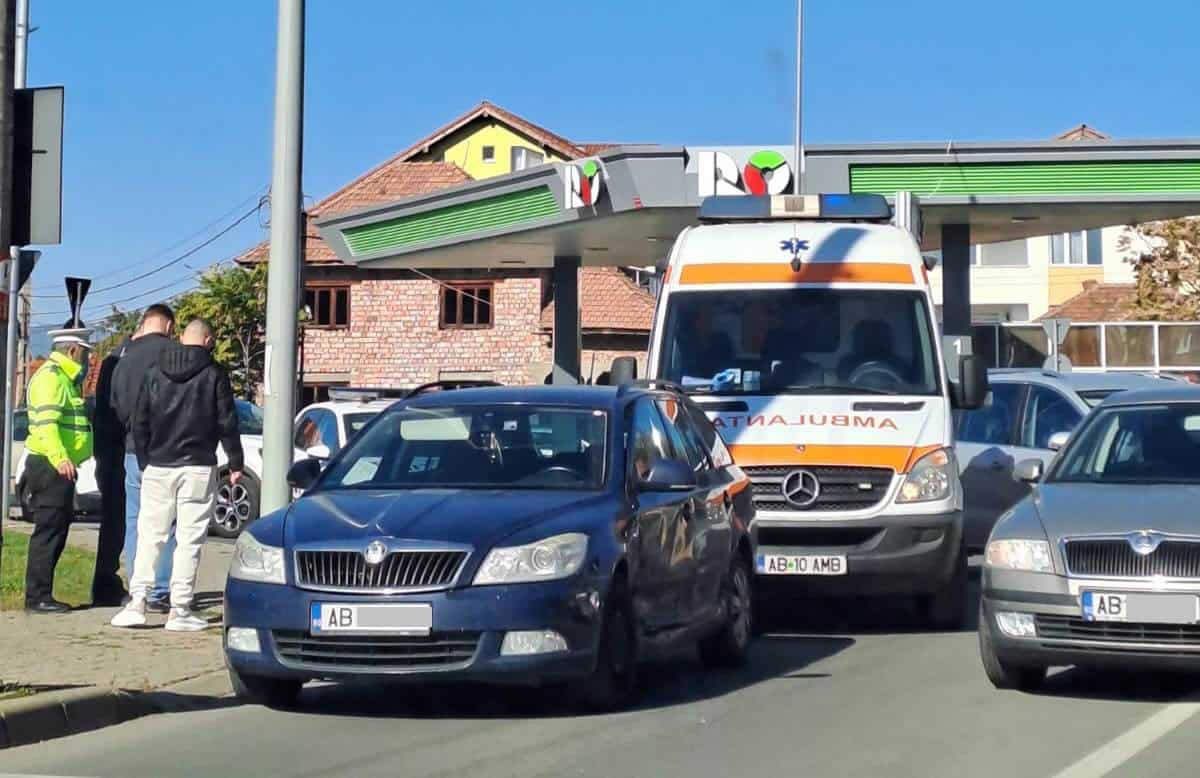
(803,341)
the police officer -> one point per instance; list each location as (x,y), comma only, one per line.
(60,438)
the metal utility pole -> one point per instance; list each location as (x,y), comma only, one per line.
(8,14)
(20,52)
(284,265)
(797,178)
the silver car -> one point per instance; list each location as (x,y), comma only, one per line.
(1029,414)
(1101,563)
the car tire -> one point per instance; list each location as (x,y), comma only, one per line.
(1002,674)
(613,680)
(237,505)
(261,690)
(729,646)
(946,609)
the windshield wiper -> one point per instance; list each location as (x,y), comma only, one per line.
(832,389)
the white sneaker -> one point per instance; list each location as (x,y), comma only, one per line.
(132,615)
(183,620)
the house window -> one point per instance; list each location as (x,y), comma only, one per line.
(315,393)
(1076,248)
(489,154)
(328,306)
(466,306)
(525,158)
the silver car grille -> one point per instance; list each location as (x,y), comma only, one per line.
(1115,558)
(842,488)
(399,570)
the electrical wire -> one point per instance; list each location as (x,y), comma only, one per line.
(112,303)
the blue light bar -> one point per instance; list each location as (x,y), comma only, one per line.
(822,207)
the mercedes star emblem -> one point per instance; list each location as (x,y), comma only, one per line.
(375,552)
(801,488)
(1144,542)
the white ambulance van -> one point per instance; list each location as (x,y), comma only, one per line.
(804,326)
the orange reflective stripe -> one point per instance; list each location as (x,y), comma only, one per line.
(898,458)
(782,273)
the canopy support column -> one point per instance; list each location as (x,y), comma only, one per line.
(567,337)
(956,293)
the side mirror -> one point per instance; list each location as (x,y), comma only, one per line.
(668,475)
(971,391)
(624,371)
(303,474)
(319,451)
(1058,440)
(1029,471)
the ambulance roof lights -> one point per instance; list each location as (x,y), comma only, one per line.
(817,207)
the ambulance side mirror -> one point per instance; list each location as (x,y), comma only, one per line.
(624,371)
(971,391)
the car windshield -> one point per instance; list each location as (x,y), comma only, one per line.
(1138,444)
(354,422)
(802,341)
(250,418)
(475,447)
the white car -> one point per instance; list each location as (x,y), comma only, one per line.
(322,429)
(237,504)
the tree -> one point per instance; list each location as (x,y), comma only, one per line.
(114,329)
(234,302)
(1166,269)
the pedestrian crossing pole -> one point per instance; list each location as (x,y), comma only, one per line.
(283,268)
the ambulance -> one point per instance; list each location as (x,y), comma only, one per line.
(804,326)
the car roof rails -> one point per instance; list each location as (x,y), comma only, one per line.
(650,383)
(444,386)
(365,394)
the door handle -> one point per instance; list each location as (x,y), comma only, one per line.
(998,466)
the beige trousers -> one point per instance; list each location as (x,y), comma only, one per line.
(185,497)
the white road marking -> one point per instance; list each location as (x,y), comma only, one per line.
(1120,750)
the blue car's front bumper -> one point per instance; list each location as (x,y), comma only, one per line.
(469,624)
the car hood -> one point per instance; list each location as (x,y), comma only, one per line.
(469,517)
(1094,509)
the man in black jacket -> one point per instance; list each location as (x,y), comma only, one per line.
(109,451)
(138,357)
(184,409)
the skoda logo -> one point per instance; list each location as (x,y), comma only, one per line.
(375,552)
(1144,543)
(801,488)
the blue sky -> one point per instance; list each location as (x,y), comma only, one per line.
(169,104)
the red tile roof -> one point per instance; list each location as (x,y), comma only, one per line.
(386,183)
(486,110)
(1083,132)
(1097,302)
(610,302)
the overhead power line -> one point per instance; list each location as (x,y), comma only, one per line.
(104,306)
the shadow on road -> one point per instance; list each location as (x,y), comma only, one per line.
(678,681)
(1119,686)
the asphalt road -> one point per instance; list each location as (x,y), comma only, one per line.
(833,690)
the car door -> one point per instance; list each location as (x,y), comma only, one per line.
(985,446)
(1047,412)
(709,529)
(664,558)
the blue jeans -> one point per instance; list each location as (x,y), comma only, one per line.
(133,502)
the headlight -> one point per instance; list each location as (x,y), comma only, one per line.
(546,560)
(1031,555)
(931,478)
(254,561)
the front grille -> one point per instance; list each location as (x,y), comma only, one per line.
(399,570)
(1114,558)
(367,652)
(842,488)
(1072,628)
(815,536)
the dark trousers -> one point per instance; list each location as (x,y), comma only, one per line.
(110,477)
(52,499)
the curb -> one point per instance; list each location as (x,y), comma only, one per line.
(56,714)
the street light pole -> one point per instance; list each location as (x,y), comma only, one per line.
(21,48)
(797,180)
(279,376)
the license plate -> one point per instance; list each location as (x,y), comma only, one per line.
(1141,607)
(801,564)
(406,619)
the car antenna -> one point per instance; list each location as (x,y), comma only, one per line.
(592,372)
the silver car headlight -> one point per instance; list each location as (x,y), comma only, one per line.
(546,560)
(255,561)
(931,478)
(1029,555)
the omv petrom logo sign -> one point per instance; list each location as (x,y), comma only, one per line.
(766,172)
(584,184)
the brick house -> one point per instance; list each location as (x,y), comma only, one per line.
(405,327)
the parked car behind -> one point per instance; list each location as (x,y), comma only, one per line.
(1101,564)
(449,541)
(1029,415)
